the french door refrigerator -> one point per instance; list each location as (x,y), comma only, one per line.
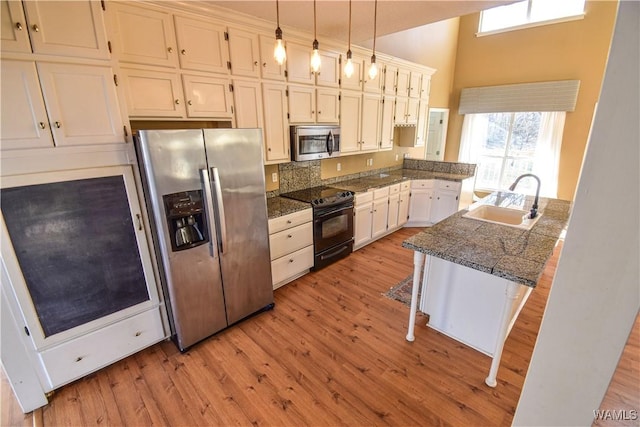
(206,192)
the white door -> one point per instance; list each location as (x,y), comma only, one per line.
(69,28)
(244,52)
(403,208)
(247,98)
(403,79)
(143,36)
(414,84)
(362,224)
(299,64)
(82,104)
(302,104)
(423,120)
(393,216)
(24,121)
(390,76)
(400,111)
(386,126)
(420,206)
(269,68)
(329,74)
(276,126)
(152,93)
(413,108)
(327,106)
(350,107)
(444,205)
(208,96)
(14,35)
(355,81)
(380,216)
(371,112)
(201,45)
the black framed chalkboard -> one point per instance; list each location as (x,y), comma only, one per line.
(76,245)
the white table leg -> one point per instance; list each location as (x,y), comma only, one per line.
(418,262)
(511,294)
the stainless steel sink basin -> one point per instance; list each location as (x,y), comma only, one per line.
(504,216)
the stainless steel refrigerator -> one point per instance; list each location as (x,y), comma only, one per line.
(206,192)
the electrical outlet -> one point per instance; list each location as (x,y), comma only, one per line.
(274,177)
(396,157)
(339,167)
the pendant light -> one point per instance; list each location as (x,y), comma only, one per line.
(348,67)
(315,57)
(373,69)
(279,54)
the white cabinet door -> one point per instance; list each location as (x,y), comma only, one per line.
(276,126)
(247,98)
(393,216)
(386,126)
(329,74)
(362,224)
(244,51)
(355,81)
(370,123)
(445,201)
(269,69)
(207,96)
(413,109)
(70,28)
(420,206)
(400,110)
(390,76)
(350,108)
(152,93)
(425,86)
(327,106)
(143,35)
(81,103)
(373,85)
(403,79)
(201,45)
(415,79)
(380,217)
(302,102)
(14,35)
(423,120)
(403,207)
(24,122)
(299,63)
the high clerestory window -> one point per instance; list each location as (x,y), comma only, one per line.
(529,13)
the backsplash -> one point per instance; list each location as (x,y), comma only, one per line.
(445,167)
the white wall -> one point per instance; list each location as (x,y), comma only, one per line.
(595,296)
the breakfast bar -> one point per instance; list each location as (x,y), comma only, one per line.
(476,273)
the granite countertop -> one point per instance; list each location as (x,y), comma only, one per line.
(280,206)
(359,185)
(511,253)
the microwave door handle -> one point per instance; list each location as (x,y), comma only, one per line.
(208,201)
(330,146)
(220,209)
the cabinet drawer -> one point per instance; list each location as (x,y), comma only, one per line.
(394,189)
(363,198)
(288,221)
(449,185)
(405,185)
(380,193)
(290,240)
(76,358)
(292,264)
(422,183)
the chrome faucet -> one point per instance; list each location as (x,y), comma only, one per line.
(534,208)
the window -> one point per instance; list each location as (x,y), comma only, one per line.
(507,145)
(528,13)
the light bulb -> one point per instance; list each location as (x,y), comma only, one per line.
(348,68)
(279,53)
(315,58)
(373,69)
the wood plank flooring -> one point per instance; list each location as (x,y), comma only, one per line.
(331,352)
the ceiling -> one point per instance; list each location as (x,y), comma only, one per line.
(333,15)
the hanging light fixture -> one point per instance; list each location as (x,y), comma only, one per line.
(348,67)
(315,57)
(373,68)
(279,54)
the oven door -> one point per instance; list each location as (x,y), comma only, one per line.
(332,226)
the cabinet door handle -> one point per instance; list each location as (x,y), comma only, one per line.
(42,125)
(177,102)
(290,260)
(139,219)
(170,49)
(138,333)
(319,112)
(79,358)
(19,26)
(289,236)
(255,63)
(58,125)
(189,102)
(184,52)
(264,64)
(35,28)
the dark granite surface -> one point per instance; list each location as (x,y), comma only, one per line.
(364,184)
(280,206)
(511,253)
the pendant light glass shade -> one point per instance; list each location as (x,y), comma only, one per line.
(348,67)
(373,68)
(315,56)
(279,53)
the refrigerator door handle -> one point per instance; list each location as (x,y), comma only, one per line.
(220,205)
(206,186)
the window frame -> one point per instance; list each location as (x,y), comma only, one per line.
(529,24)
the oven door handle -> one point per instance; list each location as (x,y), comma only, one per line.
(331,146)
(321,215)
(334,253)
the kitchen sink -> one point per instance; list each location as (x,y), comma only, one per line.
(504,216)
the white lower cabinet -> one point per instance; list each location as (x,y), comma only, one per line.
(432,201)
(380,212)
(363,219)
(291,244)
(445,201)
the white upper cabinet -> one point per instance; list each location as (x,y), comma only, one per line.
(328,106)
(355,81)
(406,111)
(403,80)
(247,98)
(208,96)
(269,68)
(14,33)
(350,116)
(143,35)
(201,45)
(299,63)
(386,126)
(302,104)
(329,74)
(390,76)
(24,122)
(244,51)
(276,125)
(373,85)
(371,114)
(415,81)
(152,93)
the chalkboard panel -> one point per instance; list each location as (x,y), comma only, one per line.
(76,245)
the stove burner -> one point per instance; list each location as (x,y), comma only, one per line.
(322,196)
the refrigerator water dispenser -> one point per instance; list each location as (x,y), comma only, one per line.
(185,218)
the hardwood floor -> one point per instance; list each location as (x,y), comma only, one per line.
(331,352)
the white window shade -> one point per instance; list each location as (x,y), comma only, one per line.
(543,96)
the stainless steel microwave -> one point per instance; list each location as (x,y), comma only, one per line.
(313,142)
